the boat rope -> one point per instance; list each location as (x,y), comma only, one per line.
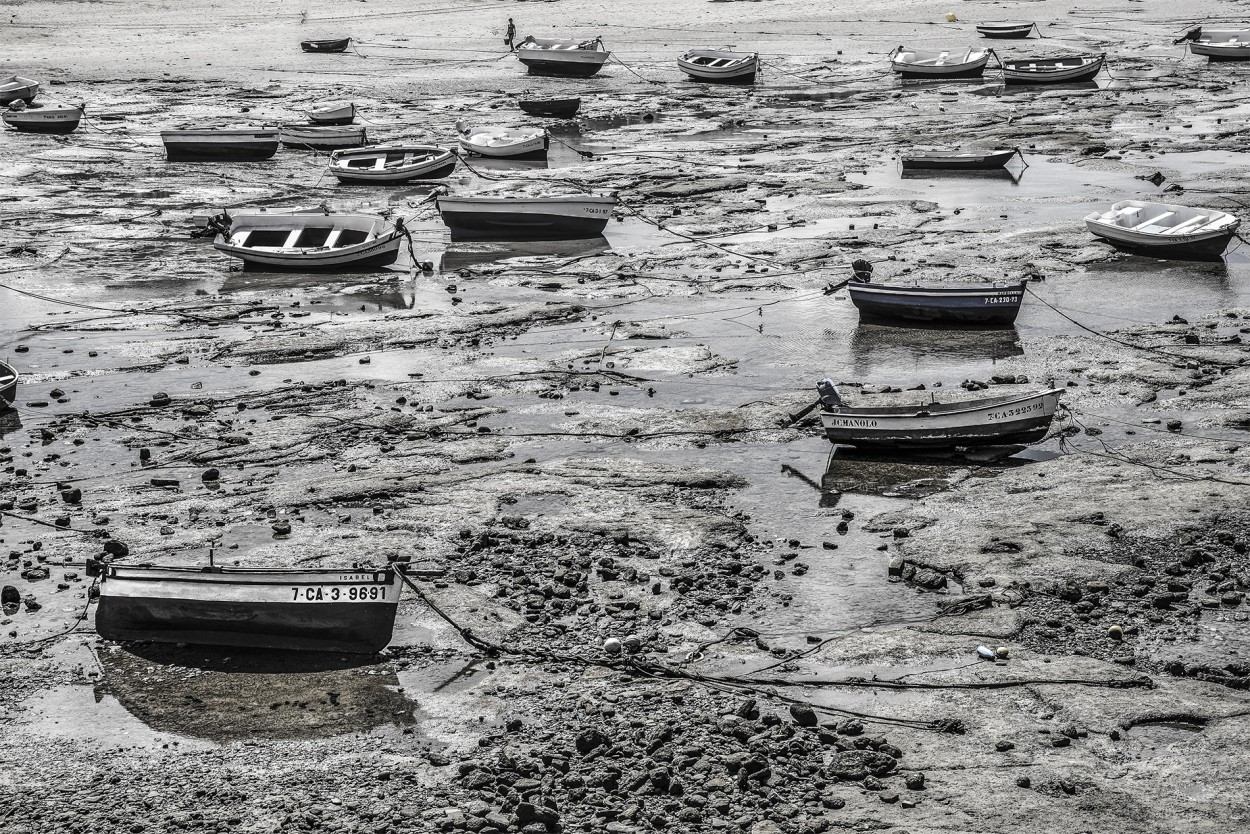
(614,58)
(27,645)
(695,239)
(583,154)
(352,43)
(777,68)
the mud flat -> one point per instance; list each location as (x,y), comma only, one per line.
(657,603)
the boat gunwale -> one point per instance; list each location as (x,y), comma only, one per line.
(952,408)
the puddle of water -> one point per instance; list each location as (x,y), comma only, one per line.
(1161,738)
(82,712)
(443,677)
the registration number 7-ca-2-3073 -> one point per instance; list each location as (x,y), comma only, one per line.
(337,593)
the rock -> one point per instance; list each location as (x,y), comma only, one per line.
(888,797)
(115,548)
(160,400)
(872,783)
(36,573)
(31,603)
(1023,781)
(915,781)
(854,765)
(1002,745)
(166,482)
(527,812)
(1115,633)
(73,495)
(10,599)
(833,802)
(210,475)
(851,727)
(589,739)
(803,715)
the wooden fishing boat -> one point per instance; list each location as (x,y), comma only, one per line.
(333,114)
(8,385)
(958,160)
(16,88)
(719,66)
(42,117)
(1165,230)
(499,143)
(1068,70)
(336,45)
(922,63)
(1006,29)
(561,56)
(989,421)
(349,610)
(309,242)
(239,145)
(322,137)
(1222,44)
(996,304)
(526,218)
(556,108)
(388,164)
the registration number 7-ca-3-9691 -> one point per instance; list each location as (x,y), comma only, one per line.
(338,593)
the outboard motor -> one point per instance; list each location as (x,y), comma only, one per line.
(862,270)
(829,396)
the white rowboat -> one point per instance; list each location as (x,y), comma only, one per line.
(333,114)
(503,144)
(720,66)
(42,117)
(921,63)
(309,242)
(558,56)
(16,87)
(1222,44)
(1071,69)
(1165,230)
(387,164)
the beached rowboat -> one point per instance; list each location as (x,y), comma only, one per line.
(958,160)
(322,137)
(1165,230)
(720,66)
(336,45)
(349,610)
(8,385)
(559,56)
(333,114)
(1222,44)
(556,108)
(15,88)
(1006,29)
(499,143)
(921,63)
(1068,70)
(526,218)
(998,304)
(42,117)
(989,421)
(388,164)
(240,145)
(309,242)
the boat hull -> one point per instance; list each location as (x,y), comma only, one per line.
(931,65)
(953,162)
(8,385)
(520,219)
(739,69)
(1217,52)
(995,422)
(234,146)
(561,66)
(326,46)
(379,252)
(1017,32)
(18,88)
(562,108)
(291,610)
(532,147)
(1052,71)
(1199,247)
(437,167)
(61,122)
(333,116)
(961,305)
(326,138)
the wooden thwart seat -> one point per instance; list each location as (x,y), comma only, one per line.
(1142,227)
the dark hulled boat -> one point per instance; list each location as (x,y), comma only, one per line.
(555,108)
(335,45)
(964,304)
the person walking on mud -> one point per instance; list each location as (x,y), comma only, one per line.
(511,36)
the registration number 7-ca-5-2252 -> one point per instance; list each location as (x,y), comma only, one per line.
(335,593)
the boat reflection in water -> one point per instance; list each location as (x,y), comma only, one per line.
(1010,175)
(487,163)
(914,347)
(467,254)
(913,473)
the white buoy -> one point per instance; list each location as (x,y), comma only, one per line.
(986,652)
(612,646)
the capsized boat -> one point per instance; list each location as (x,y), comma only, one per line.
(339,610)
(561,56)
(8,385)
(309,242)
(720,66)
(526,218)
(239,144)
(1165,230)
(322,137)
(16,87)
(1071,69)
(42,117)
(392,163)
(333,45)
(987,421)
(928,63)
(556,108)
(501,143)
(333,114)
(993,304)
(958,160)
(1006,29)
(1220,44)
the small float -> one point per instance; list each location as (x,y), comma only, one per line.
(309,242)
(333,45)
(238,145)
(388,164)
(934,64)
(558,56)
(1165,230)
(719,66)
(42,117)
(526,218)
(322,137)
(500,143)
(1071,69)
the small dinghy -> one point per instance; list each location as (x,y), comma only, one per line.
(16,88)
(1165,230)
(957,160)
(347,610)
(526,218)
(387,164)
(719,66)
(238,145)
(998,304)
(42,117)
(503,144)
(1221,44)
(322,137)
(338,45)
(989,421)
(921,63)
(558,56)
(1006,29)
(555,108)
(308,242)
(8,385)
(333,114)
(1068,70)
